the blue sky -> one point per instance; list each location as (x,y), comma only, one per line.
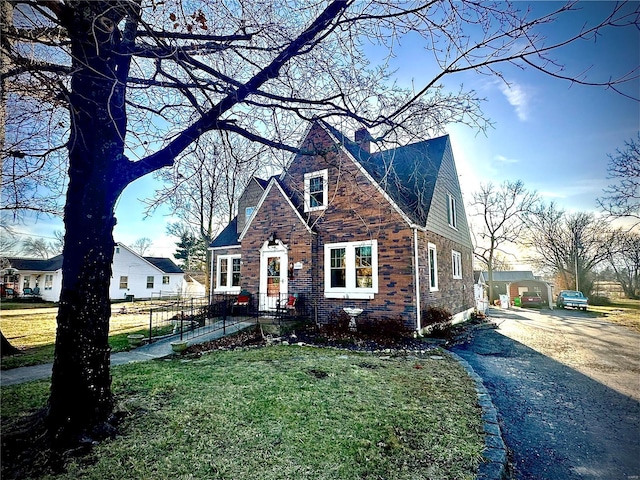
(552,135)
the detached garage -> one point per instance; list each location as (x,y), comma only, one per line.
(543,288)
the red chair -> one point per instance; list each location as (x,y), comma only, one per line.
(288,308)
(243,301)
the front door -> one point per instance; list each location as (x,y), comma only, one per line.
(273,275)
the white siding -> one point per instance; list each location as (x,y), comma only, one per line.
(137,269)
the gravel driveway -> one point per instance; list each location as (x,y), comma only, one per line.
(567,390)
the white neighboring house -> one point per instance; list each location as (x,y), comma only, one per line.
(143,277)
(132,274)
(41,277)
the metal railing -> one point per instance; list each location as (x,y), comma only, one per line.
(193,317)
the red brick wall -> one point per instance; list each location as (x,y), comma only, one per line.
(357,211)
(454,294)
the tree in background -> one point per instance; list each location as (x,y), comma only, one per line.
(203,186)
(500,213)
(9,244)
(111,91)
(36,247)
(191,251)
(41,248)
(622,199)
(501,261)
(568,245)
(623,257)
(141,245)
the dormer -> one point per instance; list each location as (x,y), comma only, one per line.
(249,200)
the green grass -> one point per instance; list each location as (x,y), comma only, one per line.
(621,311)
(33,331)
(283,413)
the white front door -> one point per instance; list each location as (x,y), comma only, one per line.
(273,275)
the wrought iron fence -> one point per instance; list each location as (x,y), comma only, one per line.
(192,317)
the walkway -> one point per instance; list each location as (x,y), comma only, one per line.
(158,349)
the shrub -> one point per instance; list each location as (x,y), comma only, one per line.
(439,321)
(388,327)
(366,327)
(338,323)
(599,300)
(434,315)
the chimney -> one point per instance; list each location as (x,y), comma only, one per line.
(363,138)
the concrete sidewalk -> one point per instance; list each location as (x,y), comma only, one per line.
(159,349)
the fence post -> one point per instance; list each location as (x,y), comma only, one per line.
(224,314)
(150,323)
(181,323)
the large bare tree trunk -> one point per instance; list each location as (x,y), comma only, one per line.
(81,402)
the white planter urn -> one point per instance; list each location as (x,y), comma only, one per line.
(179,346)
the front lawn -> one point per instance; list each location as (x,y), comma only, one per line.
(285,412)
(621,311)
(33,331)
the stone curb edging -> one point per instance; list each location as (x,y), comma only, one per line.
(495,452)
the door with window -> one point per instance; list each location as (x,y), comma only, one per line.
(273,275)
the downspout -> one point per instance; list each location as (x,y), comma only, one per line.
(211,279)
(417,280)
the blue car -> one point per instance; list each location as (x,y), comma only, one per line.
(572,298)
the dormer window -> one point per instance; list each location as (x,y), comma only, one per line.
(315,190)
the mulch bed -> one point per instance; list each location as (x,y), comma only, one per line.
(311,335)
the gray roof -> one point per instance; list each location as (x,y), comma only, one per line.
(408,174)
(164,264)
(227,237)
(36,264)
(510,276)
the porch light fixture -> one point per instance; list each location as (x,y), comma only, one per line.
(272,238)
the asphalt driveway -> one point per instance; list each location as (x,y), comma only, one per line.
(567,390)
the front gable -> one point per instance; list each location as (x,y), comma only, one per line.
(352,201)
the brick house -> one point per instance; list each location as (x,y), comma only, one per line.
(385,232)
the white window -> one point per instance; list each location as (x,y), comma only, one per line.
(451,211)
(124,282)
(150,281)
(456,264)
(316,190)
(433,267)
(351,270)
(165,279)
(48,282)
(228,277)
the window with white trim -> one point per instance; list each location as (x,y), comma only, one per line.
(433,267)
(316,190)
(351,269)
(48,282)
(452,216)
(150,280)
(165,279)
(456,264)
(228,277)
(124,282)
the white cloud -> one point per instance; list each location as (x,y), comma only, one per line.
(506,161)
(518,98)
